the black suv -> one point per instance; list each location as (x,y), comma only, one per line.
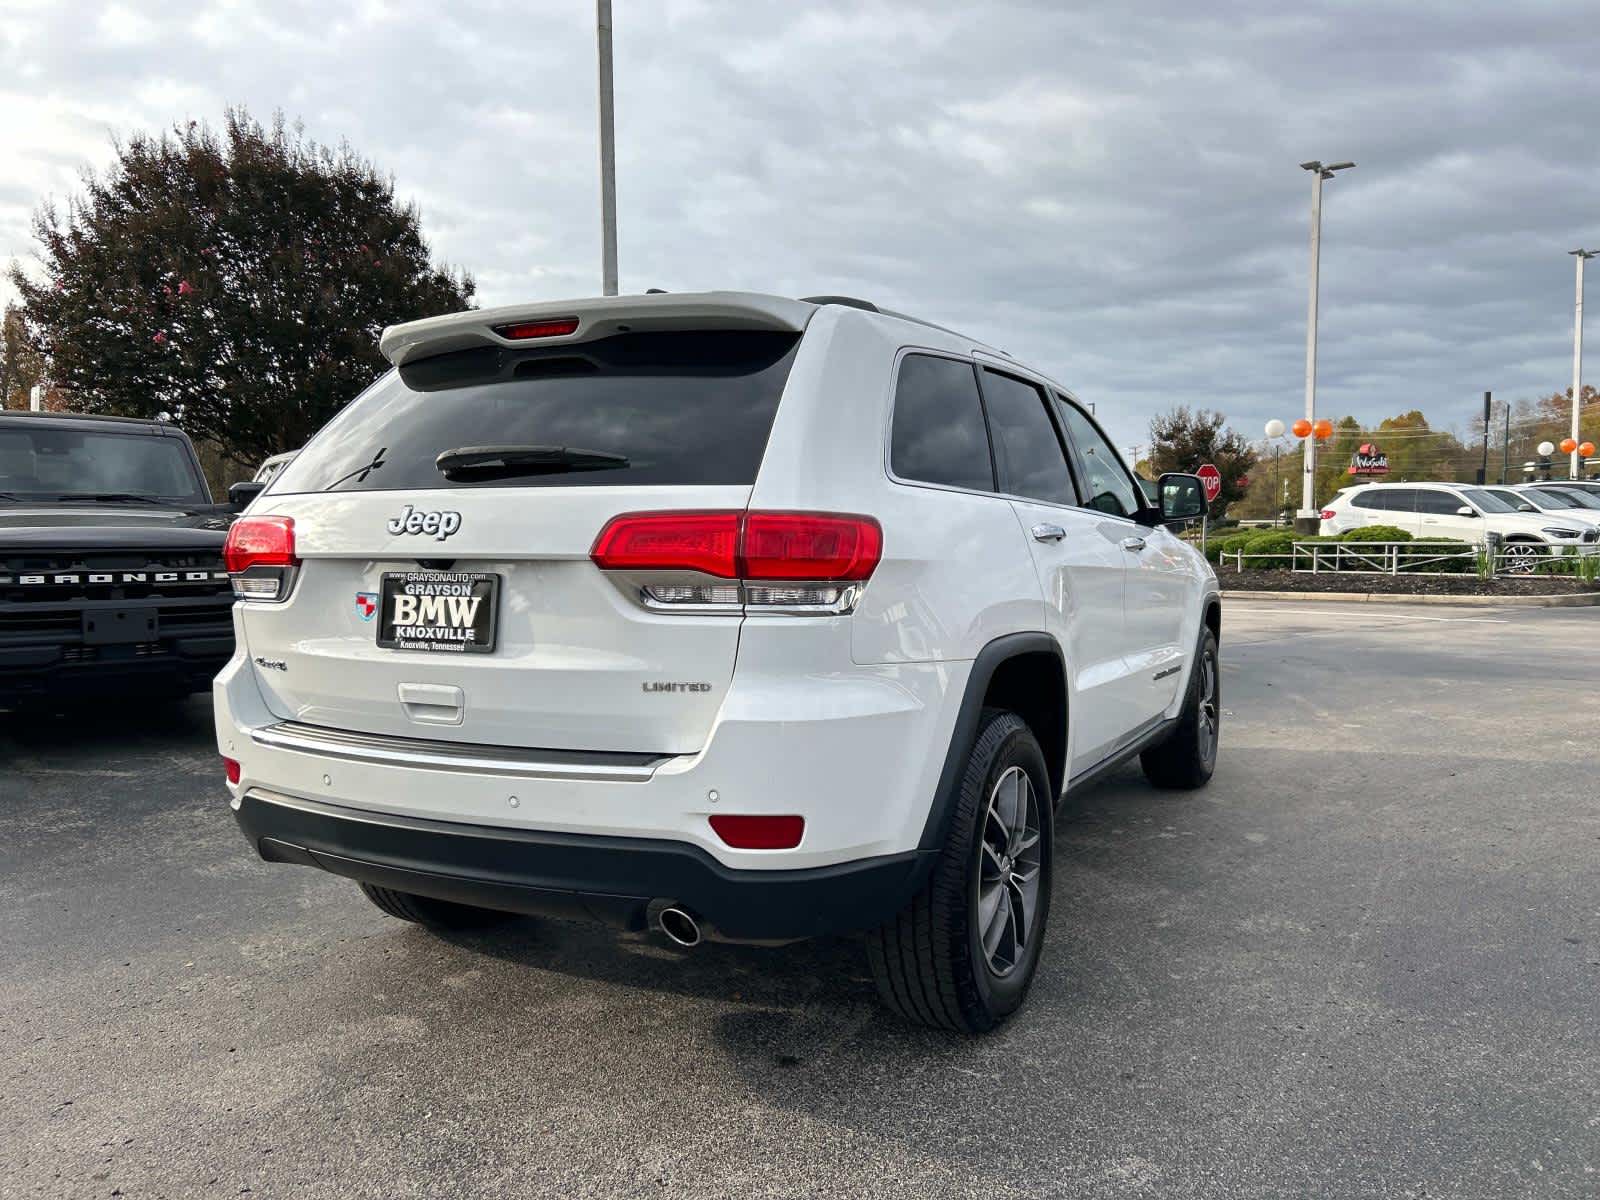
(111,574)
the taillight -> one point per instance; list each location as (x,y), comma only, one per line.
(520,331)
(787,545)
(799,561)
(707,542)
(758,832)
(1328,514)
(260,557)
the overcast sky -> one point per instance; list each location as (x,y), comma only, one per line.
(1109,192)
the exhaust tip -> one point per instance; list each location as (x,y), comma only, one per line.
(679,927)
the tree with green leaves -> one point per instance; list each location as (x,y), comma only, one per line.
(236,280)
(1183,439)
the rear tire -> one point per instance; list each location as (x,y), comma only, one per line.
(962,954)
(435,914)
(1186,760)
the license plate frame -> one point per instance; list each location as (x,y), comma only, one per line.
(446,618)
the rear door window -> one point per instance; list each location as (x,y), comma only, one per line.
(650,408)
(938,434)
(1436,503)
(1370,499)
(1032,461)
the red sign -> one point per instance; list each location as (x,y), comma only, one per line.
(1212,479)
(1369,460)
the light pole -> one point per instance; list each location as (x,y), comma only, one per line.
(608,155)
(1274,431)
(1306,518)
(1577,352)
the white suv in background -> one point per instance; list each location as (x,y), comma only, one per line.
(722,615)
(1569,505)
(1460,512)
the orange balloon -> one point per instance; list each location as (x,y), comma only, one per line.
(1302,428)
(1323,429)
(1568,445)
(1586,449)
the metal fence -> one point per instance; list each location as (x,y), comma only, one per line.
(1420,558)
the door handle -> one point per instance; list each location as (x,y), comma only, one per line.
(1133,543)
(1048,533)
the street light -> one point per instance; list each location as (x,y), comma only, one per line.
(1577,351)
(1274,431)
(1307,514)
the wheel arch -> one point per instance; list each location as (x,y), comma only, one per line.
(1025,673)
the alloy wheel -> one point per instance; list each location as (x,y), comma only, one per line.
(1008,876)
(1210,714)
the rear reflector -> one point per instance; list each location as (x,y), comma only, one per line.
(231,767)
(759,832)
(816,547)
(523,330)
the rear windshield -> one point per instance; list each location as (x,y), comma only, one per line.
(635,409)
(47,463)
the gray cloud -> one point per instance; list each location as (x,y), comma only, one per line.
(1109,192)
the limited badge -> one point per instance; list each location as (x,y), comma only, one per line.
(366,605)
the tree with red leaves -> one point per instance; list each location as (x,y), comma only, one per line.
(236,280)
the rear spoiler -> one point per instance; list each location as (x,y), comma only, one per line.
(596,317)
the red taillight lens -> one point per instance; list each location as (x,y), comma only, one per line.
(707,542)
(814,546)
(1328,514)
(231,767)
(817,547)
(522,330)
(259,542)
(759,832)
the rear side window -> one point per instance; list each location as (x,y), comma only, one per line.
(938,434)
(1032,462)
(680,408)
(1371,499)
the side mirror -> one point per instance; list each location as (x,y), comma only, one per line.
(1464,511)
(1183,497)
(240,494)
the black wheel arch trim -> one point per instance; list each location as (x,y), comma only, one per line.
(968,719)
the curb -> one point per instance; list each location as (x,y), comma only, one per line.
(1566,600)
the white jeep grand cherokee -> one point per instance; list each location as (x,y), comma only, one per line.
(723,615)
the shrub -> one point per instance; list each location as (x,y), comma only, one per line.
(1376,533)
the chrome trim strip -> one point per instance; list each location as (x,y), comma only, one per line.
(596,766)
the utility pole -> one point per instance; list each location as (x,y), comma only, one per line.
(1505,448)
(1306,518)
(1483,473)
(1577,353)
(608,155)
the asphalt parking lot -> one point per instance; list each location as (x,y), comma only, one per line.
(1365,962)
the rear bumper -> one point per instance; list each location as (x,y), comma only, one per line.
(610,879)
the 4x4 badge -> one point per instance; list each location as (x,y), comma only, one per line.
(366,605)
(437,524)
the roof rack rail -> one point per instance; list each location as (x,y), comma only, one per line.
(869,306)
(847,301)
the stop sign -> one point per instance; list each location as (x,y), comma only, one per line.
(1212,479)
